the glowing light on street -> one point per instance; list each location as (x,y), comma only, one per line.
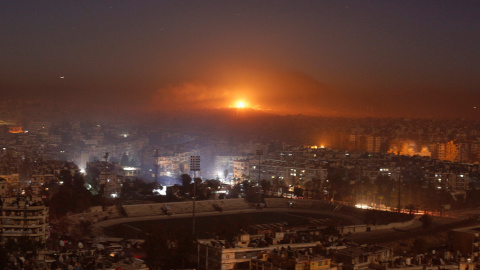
(362,206)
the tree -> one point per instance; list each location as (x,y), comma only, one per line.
(338,181)
(266,185)
(134,162)
(236,191)
(137,189)
(279,185)
(124,161)
(210,186)
(78,181)
(225,173)
(66,177)
(202,190)
(298,191)
(186,182)
(252,193)
(92,177)
(72,196)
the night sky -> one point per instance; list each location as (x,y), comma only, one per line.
(340,58)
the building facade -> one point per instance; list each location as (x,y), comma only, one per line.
(23,217)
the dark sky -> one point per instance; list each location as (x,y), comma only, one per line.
(382,58)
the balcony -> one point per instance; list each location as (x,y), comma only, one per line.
(24,217)
(23,208)
(20,233)
(20,226)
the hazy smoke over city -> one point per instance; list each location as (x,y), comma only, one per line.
(342,59)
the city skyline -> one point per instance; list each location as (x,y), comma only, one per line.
(342,58)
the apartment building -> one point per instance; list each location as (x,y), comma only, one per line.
(23,216)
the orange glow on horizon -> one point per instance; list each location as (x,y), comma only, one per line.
(240,104)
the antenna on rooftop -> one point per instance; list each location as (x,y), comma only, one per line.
(157,166)
(106,160)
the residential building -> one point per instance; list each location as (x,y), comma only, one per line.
(241,169)
(354,258)
(13,183)
(222,255)
(465,240)
(23,217)
(111,182)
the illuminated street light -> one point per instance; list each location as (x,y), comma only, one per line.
(259,153)
(194,167)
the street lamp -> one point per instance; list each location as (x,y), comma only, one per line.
(194,167)
(259,153)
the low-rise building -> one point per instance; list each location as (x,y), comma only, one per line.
(13,183)
(112,183)
(240,170)
(222,255)
(354,258)
(465,240)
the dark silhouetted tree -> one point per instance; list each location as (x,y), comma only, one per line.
(124,161)
(225,173)
(297,191)
(186,182)
(73,197)
(266,186)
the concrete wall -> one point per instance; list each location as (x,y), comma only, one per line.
(95,214)
(296,203)
(370,228)
(140,210)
